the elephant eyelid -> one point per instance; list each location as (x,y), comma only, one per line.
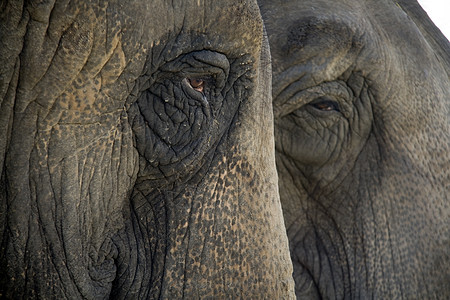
(200,83)
(325,105)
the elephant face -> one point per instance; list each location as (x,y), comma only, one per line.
(137,157)
(362,134)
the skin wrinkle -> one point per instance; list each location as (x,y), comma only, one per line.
(109,57)
(41,81)
(136,228)
(40,43)
(188,236)
(366,263)
(290,226)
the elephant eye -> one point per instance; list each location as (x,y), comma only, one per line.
(325,105)
(197,84)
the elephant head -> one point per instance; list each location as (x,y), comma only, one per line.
(362,133)
(137,152)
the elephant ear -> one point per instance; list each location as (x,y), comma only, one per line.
(438,42)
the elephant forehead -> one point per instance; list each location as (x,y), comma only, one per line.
(94,53)
(313,33)
(151,22)
(140,26)
(384,29)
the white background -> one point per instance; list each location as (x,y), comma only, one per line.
(439,12)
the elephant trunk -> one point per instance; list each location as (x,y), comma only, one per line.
(217,232)
(212,237)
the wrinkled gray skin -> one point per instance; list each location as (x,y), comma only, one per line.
(137,159)
(362,133)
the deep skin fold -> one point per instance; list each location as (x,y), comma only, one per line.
(92,205)
(364,189)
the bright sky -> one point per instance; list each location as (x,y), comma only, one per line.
(439,12)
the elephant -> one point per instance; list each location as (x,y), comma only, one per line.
(361,99)
(137,152)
